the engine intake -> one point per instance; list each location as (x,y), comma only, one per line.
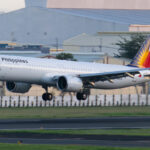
(18,87)
(69,84)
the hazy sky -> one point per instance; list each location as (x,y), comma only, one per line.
(9,5)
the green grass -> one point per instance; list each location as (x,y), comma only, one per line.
(72,112)
(129,132)
(60,147)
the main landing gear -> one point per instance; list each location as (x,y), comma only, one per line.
(81,96)
(47,96)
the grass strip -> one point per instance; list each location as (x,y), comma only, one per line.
(128,132)
(60,147)
(72,112)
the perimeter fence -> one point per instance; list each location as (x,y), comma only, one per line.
(71,101)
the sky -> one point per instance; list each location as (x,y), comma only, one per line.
(10,5)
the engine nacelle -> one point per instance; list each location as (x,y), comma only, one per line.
(18,87)
(69,84)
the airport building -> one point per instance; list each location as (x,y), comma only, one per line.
(100,4)
(50,22)
(100,44)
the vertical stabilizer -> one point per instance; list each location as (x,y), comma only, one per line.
(142,58)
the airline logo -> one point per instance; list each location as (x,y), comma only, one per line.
(142,59)
(14,60)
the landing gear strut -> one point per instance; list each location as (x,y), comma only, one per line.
(47,96)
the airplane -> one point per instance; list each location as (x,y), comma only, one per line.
(20,73)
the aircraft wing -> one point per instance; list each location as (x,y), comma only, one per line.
(93,77)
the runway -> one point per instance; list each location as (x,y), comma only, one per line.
(86,123)
(78,142)
(99,140)
(89,123)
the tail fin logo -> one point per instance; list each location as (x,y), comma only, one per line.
(142,58)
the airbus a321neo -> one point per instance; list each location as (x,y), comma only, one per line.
(70,76)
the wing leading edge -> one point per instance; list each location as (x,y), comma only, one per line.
(109,76)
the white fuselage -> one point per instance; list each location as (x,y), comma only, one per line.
(40,71)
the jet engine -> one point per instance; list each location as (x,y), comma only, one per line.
(69,84)
(18,87)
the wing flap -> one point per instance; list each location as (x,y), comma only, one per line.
(110,75)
